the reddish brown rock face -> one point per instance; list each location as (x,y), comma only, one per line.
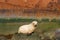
(17,4)
(25,3)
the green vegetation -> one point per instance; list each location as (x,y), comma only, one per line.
(2,20)
(12,20)
(45,20)
(11,25)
